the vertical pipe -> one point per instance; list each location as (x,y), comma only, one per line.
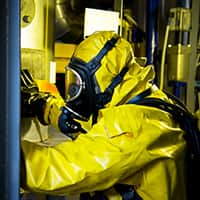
(119,6)
(162,65)
(195,9)
(9,99)
(184,36)
(121,17)
(151,29)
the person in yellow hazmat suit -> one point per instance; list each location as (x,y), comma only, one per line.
(115,147)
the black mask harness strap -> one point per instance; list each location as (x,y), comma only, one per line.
(104,97)
(95,63)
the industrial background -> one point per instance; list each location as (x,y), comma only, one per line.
(41,35)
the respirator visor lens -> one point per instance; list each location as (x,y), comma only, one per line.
(73,84)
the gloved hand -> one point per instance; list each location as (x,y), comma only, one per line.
(32,101)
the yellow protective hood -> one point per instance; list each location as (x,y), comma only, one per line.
(121,55)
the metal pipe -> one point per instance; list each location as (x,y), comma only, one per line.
(119,6)
(121,17)
(10,99)
(184,36)
(151,29)
(162,66)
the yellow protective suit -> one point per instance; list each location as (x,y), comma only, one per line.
(130,144)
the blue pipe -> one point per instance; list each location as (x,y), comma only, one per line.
(179,89)
(10,99)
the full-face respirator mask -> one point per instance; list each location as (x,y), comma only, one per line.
(82,90)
